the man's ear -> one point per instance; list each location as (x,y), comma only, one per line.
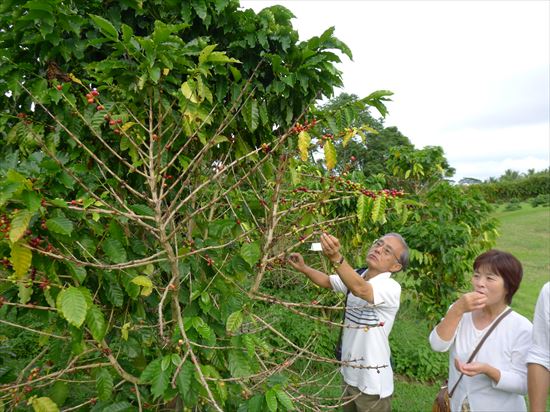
(396,267)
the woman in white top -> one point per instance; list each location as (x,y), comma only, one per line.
(497,378)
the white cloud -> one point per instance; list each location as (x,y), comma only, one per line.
(470,76)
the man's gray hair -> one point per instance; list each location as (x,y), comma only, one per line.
(404,258)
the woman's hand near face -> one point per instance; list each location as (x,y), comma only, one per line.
(466,303)
(471,301)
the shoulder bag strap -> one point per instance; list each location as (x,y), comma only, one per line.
(478,347)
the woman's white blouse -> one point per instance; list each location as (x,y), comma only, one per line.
(505,349)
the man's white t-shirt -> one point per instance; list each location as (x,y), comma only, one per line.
(365,343)
(540,349)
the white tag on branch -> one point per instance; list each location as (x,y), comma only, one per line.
(316,247)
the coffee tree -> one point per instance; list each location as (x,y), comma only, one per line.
(157,165)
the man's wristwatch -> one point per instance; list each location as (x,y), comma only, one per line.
(339,262)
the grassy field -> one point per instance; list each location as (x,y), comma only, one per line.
(526,234)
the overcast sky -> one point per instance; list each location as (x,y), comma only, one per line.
(470,76)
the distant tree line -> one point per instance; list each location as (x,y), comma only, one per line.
(513,185)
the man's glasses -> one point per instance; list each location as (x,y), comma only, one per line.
(386,249)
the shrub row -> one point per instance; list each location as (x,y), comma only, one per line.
(521,189)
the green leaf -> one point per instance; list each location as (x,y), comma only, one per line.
(221,58)
(256,404)
(60,225)
(166,362)
(96,323)
(378,210)
(121,406)
(364,204)
(284,399)
(59,203)
(160,383)
(43,404)
(25,292)
(330,155)
(151,371)
(19,225)
(202,327)
(304,139)
(104,384)
(271,400)
(114,250)
(72,305)
(239,365)
(32,200)
(78,273)
(145,282)
(236,73)
(184,378)
(203,56)
(105,26)
(114,293)
(154,74)
(124,330)
(234,321)
(251,252)
(20,259)
(59,392)
(7,190)
(142,210)
(251,114)
(249,345)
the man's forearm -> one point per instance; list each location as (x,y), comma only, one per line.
(355,283)
(538,378)
(317,277)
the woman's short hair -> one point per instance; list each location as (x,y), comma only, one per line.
(504,264)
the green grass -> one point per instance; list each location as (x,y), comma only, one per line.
(412,396)
(526,234)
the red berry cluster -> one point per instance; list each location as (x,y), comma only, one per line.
(35,241)
(91,96)
(24,117)
(114,123)
(298,127)
(5,225)
(391,193)
(266,148)
(209,260)
(324,138)
(44,283)
(357,187)
(6,262)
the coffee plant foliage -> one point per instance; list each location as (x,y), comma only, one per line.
(447,226)
(156,167)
